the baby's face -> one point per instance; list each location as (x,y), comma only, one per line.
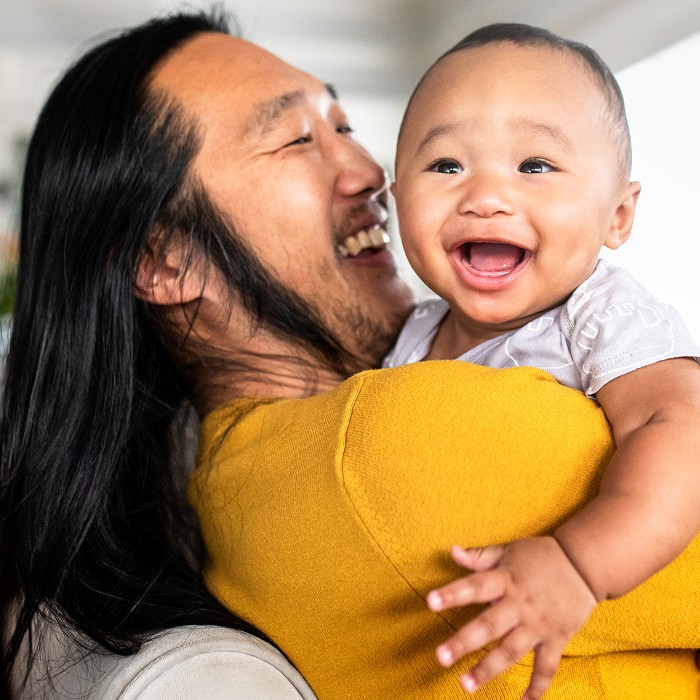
(508,182)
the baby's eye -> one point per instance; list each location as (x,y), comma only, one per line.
(344,129)
(446,167)
(535,167)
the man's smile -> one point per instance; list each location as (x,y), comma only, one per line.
(373,238)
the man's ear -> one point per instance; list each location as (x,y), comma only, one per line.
(621,222)
(167,274)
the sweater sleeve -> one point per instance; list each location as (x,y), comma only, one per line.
(218,675)
(179,664)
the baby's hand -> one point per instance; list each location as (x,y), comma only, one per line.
(538,601)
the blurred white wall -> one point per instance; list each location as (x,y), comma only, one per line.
(663,109)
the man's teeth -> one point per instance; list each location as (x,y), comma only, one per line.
(368,238)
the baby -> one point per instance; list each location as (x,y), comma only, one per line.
(512,173)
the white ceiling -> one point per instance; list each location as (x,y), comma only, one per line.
(365,46)
(373,51)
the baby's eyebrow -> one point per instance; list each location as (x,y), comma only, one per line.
(438,130)
(550,130)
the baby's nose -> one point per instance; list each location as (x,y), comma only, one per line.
(486,195)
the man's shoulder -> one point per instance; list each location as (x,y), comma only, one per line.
(433,385)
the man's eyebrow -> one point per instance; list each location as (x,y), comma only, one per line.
(550,130)
(268,112)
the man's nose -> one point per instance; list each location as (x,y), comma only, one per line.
(358,173)
(486,194)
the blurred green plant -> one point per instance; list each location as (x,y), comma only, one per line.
(10,194)
(8,281)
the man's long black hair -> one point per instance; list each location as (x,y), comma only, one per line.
(94,529)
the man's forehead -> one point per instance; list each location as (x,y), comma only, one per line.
(213,70)
(216,63)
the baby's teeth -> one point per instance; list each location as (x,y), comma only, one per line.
(353,245)
(364,239)
(343,251)
(385,237)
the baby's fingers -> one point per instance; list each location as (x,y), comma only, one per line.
(483,587)
(493,623)
(477,558)
(547,658)
(510,649)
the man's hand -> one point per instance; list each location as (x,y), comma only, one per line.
(538,602)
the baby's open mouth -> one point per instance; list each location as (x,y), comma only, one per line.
(492,259)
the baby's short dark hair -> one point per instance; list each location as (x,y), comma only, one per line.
(526,35)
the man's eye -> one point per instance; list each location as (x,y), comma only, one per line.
(446,167)
(535,167)
(344,129)
(300,141)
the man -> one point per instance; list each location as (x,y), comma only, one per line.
(219,184)
(278,162)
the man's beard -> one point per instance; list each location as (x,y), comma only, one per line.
(372,338)
(275,307)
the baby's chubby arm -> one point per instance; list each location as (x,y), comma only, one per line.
(541,590)
(648,507)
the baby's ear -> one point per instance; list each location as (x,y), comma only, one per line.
(623,217)
(167,273)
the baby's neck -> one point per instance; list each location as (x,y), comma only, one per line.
(454,338)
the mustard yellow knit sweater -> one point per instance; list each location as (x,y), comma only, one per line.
(328,519)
